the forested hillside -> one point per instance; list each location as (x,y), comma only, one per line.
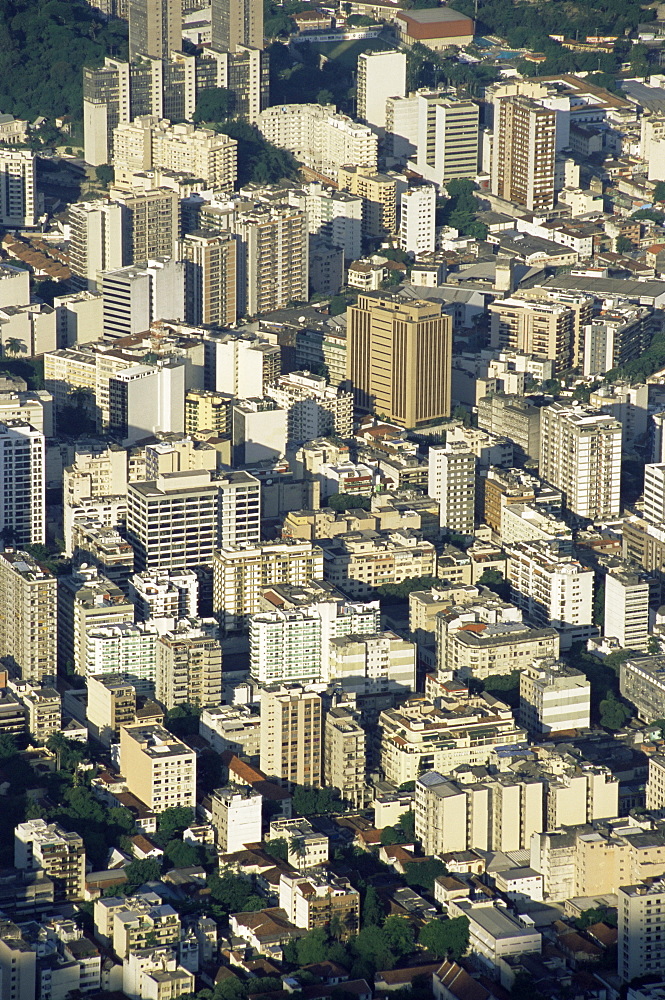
(43,47)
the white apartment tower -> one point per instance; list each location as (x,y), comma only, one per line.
(273,259)
(641,924)
(447,146)
(451,480)
(417,232)
(380,75)
(137,295)
(553,697)
(627,608)
(23,500)
(145,400)
(96,241)
(580,454)
(18,188)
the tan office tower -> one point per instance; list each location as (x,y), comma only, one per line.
(237,22)
(399,358)
(291,737)
(189,665)
(210,278)
(524,152)
(160,769)
(155,28)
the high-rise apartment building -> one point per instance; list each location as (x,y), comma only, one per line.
(164,594)
(160,769)
(627,607)
(447,146)
(236,815)
(546,329)
(18,962)
(451,480)
(239,512)
(155,28)
(345,754)
(641,924)
(580,454)
(172,521)
(320,138)
(379,194)
(152,223)
(380,75)
(554,697)
(22,474)
(86,599)
(372,663)
(96,240)
(210,278)
(145,400)
(417,233)
(237,22)
(315,409)
(60,854)
(242,366)
(18,188)
(524,152)
(136,296)
(189,665)
(207,412)
(240,572)
(28,617)
(272,258)
(117,92)
(552,588)
(125,650)
(149,143)
(291,735)
(399,358)
(111,705)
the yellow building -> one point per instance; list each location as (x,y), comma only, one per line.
(160,769)
(379,194)
(400,358)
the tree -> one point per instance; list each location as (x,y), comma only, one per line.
(325,97)
(182,855)
(392,835)
(373,911)
(407,821)
(494,580)
(445,938)
(399,936)
(624,245)
(613,713)
(348,501)
(313,947)
(659,191)
(216,104)
(598,614)
(595,915)
(277,848)
(174,820)
(13,346)
(105,174)
(230,890)
(421,874)
(8,748)
(141,871)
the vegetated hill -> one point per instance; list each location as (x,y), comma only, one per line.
(44,45)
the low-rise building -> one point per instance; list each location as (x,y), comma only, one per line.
(553,697)
(307,848)
(320,900)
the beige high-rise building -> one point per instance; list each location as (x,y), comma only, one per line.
(111,705)
(546,329)
(189,665)
(580,454)
(210,278)
(155,28)
(206,410)
(399,358)
(152,223)
(18,188)
(86,599)
(241,572)
(237,22)
(379,194)
(291,735)
(18,963)
(523,154)
(345,755)
(272,259)
(150,143)
(641,923)
(28,617)
(160,769)
(380,75)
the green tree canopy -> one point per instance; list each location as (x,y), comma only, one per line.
(445,938)
(214,105)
